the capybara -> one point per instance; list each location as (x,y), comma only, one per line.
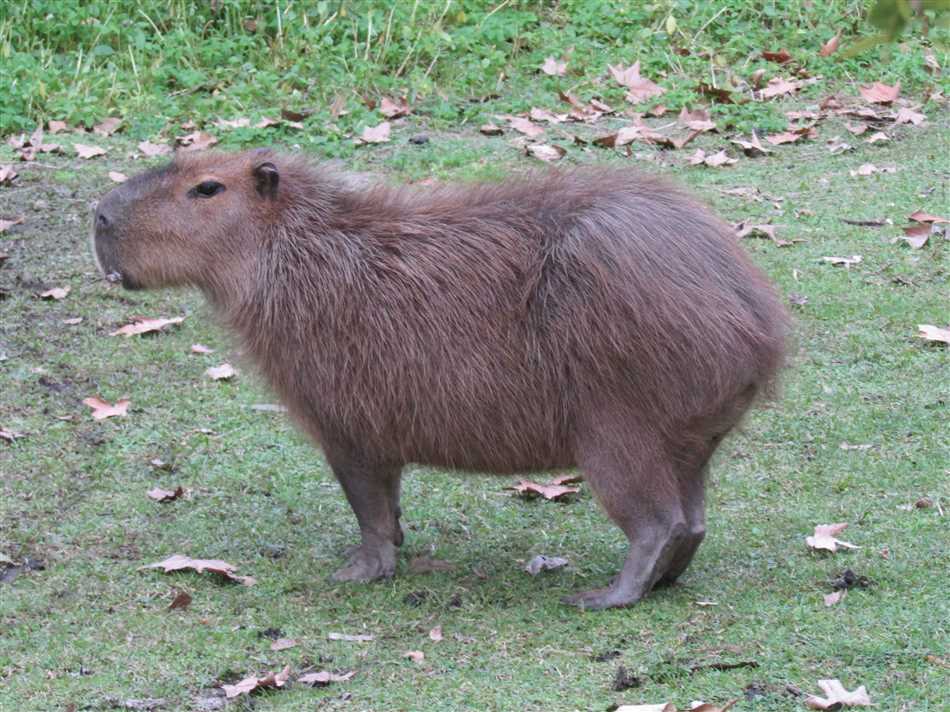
(594,317)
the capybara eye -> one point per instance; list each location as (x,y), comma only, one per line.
(206,189)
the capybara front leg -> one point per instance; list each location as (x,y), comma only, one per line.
(638,491)
(373,493)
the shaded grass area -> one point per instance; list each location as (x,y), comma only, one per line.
(157,62)
(91,627)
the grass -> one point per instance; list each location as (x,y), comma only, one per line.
(90,630)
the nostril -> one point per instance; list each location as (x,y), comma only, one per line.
(101,220)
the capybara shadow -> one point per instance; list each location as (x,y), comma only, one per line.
(596,317)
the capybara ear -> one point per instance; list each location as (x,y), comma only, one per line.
(267,178)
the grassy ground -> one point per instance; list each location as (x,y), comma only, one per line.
(85,628)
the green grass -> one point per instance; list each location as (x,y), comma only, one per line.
(91,629)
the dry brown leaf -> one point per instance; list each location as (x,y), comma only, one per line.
(283,644)
(177,562)
(241,123)
(151,150)
(915,235)
(529,489)
(7,224)
(766,230)
(324,678)
(545,563)
(923,217)
(88,151)
(867,169)
(537,114)
(878,93)
(195,141)
(181,600)
(666,707)
(837,697)
(834,598)
(375,134)
(715,160)
(524,126)
(723,96)
(877,137)
(224,372)
(491,130)
(250,684)
(778,86)
(266,122)
(394,108)
(201,349)
(417,656)
(783,137)
(56,293)
(933,333)
(7,174)
(568,479)
(146,326)
(909,116)
(107,127)
(164,495)
(780,57)
(428,565)
(706,707)
(845,261)
(102,409)
(435,635)
(856,129)
(545,152)
(554,67)
(359,638)
(824,538)
(117,177)
(10,435)
(638,88)
(56,127)
(72,322)
(830,47)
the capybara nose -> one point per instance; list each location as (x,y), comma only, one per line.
(102,222)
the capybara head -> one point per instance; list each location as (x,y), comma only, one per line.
(162,227)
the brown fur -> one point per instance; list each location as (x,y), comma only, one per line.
(597,318)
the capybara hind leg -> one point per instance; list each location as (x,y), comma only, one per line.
(373,493)
(637,489)
(694,507)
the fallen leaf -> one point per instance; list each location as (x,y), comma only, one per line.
(568,479)
(829,47)
(195,141)
(491,130)
(359,638)
(524,126)
(151,150)
(56,127)
(428,565)
(856,129)
(706,707)
(87,151)
(765,230)
(7,174)
(269,407)
(250,684)
(56,293)
(867,169)
(837,146)
(537,114)
(545,563)
(933,333)
(201,349)
(7,224)
(10,435)
(266,122)
(779,86)
(375,134)
(545,152)
(117,177)
(784,137)
(73,321)
(846,261)
(780,57)
(833,598)
(102,409)
(909,116)
(177,562)
(915,235)
(878,93)
(877,137)
(241,123)
(164,495)
(554,67)
(667,707)
(697,120)
(435,635)
(529,489)
(723,96)
(837,697)
(107,127)
(283,644)
(923,217)
(394,108)
(824,538)
(223,372)
(417,656)
(324,678)
(181,600)
(146,704)
(146,326)
(714,160)
(638,88)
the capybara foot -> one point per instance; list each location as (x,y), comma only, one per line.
(368,564)
(596,599)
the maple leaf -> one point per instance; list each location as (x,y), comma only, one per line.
(146,326)
(524,126)
(394,108)
(933,333)
(878,93)
(529,489)
(915,235)
(177,562)
(201,349)
(697,120)
(375,134)
(923,217)
(537,114)
(824,538)
(117,177)
(102,409)
(778,86)
(240,123)
(715,160)
(250,684)
(151,150)
(107,127)
(7,174)
(87,151)
(266,122)
(780,57)
(56,127)
(837,697)
(638,88)
(56,293)
(830,47)
(164,495)
(554,67)
(784,137)
(545,563)
(283,644)
(9,436)
(224,372)
(909,116)
(545,152)
(324,678)
(877,137)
